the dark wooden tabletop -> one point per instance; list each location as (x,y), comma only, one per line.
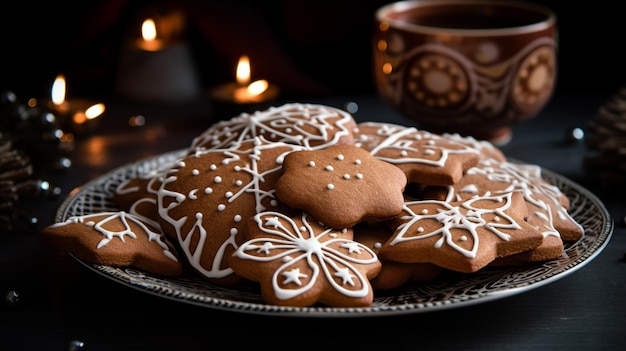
(63,305)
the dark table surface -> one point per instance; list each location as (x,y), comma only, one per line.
(63,305)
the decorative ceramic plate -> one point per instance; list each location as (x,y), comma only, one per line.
(449,291)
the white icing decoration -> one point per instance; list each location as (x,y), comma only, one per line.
(195,172)
(340,157)
(330,186)
(125,218)
(221,207)
(312,163)
(192,194)
(285,234)
(462,217)
(359,176)
(329,168)
(217,179)
(346,176)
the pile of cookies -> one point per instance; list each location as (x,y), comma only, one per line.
(318,209)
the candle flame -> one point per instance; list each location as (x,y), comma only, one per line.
(58,90)
(258,87)
(94,111)
(148,30)
(243,70)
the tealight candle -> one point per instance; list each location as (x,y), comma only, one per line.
(156,68)
(243,94)
(80,116)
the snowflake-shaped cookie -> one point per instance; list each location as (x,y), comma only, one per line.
(462,236)
(300,262)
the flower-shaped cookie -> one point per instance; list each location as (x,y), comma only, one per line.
(341,186)
(300,262)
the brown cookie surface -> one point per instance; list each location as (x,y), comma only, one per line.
(341,185)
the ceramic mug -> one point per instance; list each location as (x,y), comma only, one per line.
(473,67)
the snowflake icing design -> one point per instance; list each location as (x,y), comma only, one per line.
(464,216)
(308,125)
(284,241)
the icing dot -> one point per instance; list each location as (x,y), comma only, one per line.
(346,176)
(429,152)
(359,176)
(420,229)
(357,162)
(212,167)
(329,168)
(217,179)
(233,231)
(424,211)
(237,218)
(333,235)
(340,157)
(463,238)
(208,190)
(303,229)
(431,142)
(198,215)
(225,162)
(181,164)
(288,130)
(378,245)
(237,168)
(497,219)
(195,172)
(403,153)
(311,164)
(238,182)
(330,186)
(228,194)
(90,223)
(274,203)
(221,207)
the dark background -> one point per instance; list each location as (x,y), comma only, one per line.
(308,47)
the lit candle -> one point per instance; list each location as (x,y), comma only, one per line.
(79,115)
(157,67)
(244,92)
(149,40)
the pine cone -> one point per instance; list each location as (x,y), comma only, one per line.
(606,140)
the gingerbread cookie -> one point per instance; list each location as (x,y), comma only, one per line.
(463,236)
(548,205)
(309,125)
(138,196)
(298,261)
(341,185)
(116,239)
(207,197)
(424,157)
(392,274)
